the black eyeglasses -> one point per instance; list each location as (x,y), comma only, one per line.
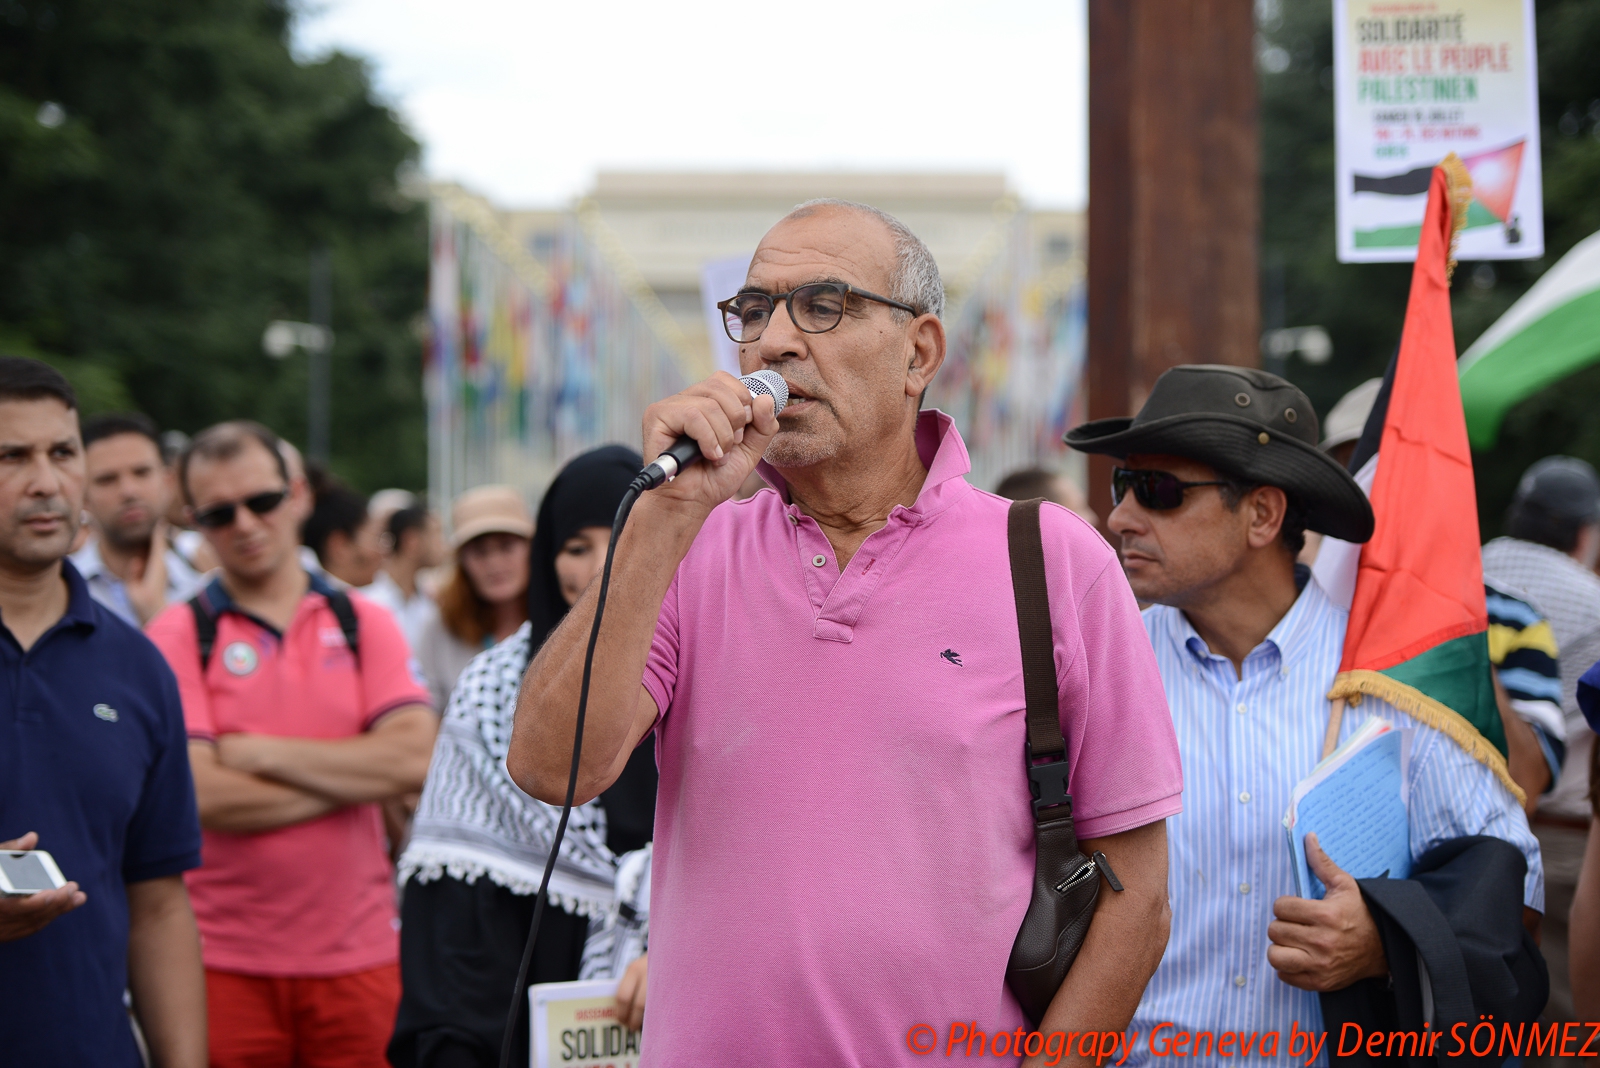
(814,309)
(1157,490)
(222,515)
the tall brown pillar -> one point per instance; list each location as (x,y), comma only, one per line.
(1173,198)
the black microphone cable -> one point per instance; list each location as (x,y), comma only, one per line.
(519,993)
(682,453)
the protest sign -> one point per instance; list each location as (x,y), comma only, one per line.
(719,280)
(1415,80)
(575,1025)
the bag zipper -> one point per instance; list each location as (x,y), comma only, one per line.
(1097,864)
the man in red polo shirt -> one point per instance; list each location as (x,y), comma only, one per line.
(303,716)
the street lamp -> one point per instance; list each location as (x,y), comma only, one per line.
(283,336)
(1311,343)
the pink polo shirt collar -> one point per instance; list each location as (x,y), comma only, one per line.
(942,452)
(839,598)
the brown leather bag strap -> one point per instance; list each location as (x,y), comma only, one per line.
(1038,646)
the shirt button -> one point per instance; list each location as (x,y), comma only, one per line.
(1244,888)
(1240,710)
(1244,798)
(794,520)
(1238,980)
(818,560)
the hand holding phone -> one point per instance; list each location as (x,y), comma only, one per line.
(25,910)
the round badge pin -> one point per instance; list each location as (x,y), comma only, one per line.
(239,658)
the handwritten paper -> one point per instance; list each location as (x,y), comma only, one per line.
(1355,803)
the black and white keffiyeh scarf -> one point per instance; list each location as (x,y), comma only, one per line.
(475,822)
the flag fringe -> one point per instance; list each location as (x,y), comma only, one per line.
(1350,685)
(1458,182)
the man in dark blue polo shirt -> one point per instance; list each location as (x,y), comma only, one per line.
(94,768)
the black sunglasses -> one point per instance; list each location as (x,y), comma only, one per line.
(815,309)
(222,515)
(1157,490)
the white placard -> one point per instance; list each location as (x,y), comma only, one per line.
(719,280)
(575,1026)
(1415,80)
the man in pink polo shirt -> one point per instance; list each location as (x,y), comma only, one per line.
(844,844)
(303,715)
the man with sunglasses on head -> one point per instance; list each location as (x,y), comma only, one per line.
(1219,478)
(304,715)
(845,843)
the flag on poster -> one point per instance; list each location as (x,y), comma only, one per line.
(1414,82)
(1418,631)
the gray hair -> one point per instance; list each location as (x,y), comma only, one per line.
(916,278)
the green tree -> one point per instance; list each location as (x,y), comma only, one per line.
(1363,305)
(166,169)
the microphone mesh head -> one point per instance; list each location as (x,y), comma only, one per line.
(768,384)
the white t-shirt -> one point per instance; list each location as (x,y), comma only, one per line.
(412,613)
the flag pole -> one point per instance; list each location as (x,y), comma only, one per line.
(1330,741)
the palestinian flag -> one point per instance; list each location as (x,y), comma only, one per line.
(1418,632)
(1494,175)
(1550,333)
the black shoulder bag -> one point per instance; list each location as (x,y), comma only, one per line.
(1066,883)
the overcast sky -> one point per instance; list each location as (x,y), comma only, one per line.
(525,101)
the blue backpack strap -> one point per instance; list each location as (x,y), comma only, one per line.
(345,613)
(205,628)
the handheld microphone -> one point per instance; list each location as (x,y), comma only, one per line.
(686,450)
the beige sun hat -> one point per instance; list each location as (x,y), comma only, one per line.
(1349,417)
(488,510)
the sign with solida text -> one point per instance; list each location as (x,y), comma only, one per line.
(575,1025)
(1415,80)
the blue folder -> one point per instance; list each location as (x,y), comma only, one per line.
(1358,814)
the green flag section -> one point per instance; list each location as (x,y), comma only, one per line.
(1453,674)
(1553,331)
(1418,631)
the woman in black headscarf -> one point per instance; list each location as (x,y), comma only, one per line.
(479,844)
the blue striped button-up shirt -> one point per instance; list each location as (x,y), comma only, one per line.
(1245,742)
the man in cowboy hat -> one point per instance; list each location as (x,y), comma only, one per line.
(1220,477)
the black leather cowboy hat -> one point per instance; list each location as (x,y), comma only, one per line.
(1249,425)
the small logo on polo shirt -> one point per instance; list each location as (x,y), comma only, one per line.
(953,657)
(239,658)
(105,712)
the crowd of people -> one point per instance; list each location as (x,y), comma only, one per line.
(242,831)
(300,753)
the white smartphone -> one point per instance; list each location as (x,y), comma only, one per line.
(28,871)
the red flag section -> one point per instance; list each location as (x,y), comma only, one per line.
(1417,635)
(1494,178)
(1420,581)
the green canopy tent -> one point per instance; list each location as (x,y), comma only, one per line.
(1551,332)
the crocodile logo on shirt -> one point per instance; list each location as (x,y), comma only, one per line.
(239,658)
(952,656)
(105,712)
